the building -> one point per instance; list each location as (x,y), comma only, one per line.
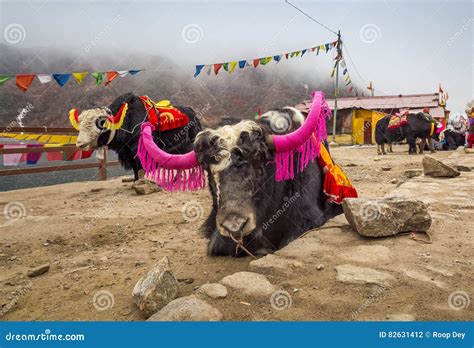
(357,116)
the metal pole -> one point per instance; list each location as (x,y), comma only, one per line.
(336,88)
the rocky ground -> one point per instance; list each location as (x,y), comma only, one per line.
(75,252)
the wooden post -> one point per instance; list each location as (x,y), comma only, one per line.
(103,166)
(336,88)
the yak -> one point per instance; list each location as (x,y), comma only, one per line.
(249,204)
(118,127)
(419,125)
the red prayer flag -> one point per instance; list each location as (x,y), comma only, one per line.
(255,62)
(24,81)
(217,67)
(110,75)
(286,55)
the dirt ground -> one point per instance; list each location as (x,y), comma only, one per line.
(101,236)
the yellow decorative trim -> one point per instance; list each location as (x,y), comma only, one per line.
(72,118)
(118,125)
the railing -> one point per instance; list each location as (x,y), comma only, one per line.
(67,149)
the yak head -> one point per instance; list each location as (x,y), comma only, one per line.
(236,159)
(96,126)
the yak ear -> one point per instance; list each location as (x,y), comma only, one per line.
(205,147)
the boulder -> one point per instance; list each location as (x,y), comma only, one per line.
(38,270)
(249,283)
(436,168)
(411,173)
(189,308)
(213,290)
(156,289)
(381,217)
(276,265)
(362,275)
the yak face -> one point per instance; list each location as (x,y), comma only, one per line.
(234,158)
(91,128)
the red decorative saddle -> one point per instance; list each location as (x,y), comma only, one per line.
(397,121)
(163,115)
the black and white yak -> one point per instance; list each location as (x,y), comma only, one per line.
(250,206)
(419,125)
(118,127)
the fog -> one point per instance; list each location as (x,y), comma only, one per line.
(403,47)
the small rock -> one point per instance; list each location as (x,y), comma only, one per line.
(103,258)
(156,289)
(400,317)
(95,190)
(145,187)
(186,280)
(249,283)
(376,159)
(189,308)
(213,290)
(128,179)
(462,168)
(381,217)
(139,263)
(320,267)
(277,265)
(435,168)
(39,270)
(362,275)
(386,168)
(411,173)
(394,181)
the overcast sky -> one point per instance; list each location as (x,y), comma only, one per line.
(402,46)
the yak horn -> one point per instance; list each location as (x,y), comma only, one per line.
(74,118)
(115,122)
(172,172)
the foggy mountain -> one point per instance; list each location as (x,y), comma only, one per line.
(218,99)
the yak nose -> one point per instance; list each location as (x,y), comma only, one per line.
(234,224)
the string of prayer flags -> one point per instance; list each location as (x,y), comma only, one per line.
(24,81)
(255,62)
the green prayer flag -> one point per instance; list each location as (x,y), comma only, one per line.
(99,77)
(4,78)
(226,66)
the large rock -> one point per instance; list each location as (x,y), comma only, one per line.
(380,217)
(189,308)
(362,275)
(212,290)
(249,283)
(436,168)
(39,270)
(156,289)
(276,265)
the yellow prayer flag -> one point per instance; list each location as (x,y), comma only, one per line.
(79,76)
(322,47)
(232,67)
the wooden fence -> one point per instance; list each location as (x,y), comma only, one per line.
(68,149)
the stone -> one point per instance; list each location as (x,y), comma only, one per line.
(376,159)
(189,308)
(386,168)
(249,283)
(411,173)
(400,317)
(320,267)
(128,179)
(381,217)
(213,290)
(437,169)
(145,187)
(394,181)
(362,275)
(301,249)
(276,265)
(423,278)
(39,270)
(155,290)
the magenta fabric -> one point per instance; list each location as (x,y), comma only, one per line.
(13,159)
(306,140)
(33,157)
(172,172)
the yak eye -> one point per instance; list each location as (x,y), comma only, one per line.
(100,123)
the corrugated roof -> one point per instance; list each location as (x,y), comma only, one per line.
(380,102)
